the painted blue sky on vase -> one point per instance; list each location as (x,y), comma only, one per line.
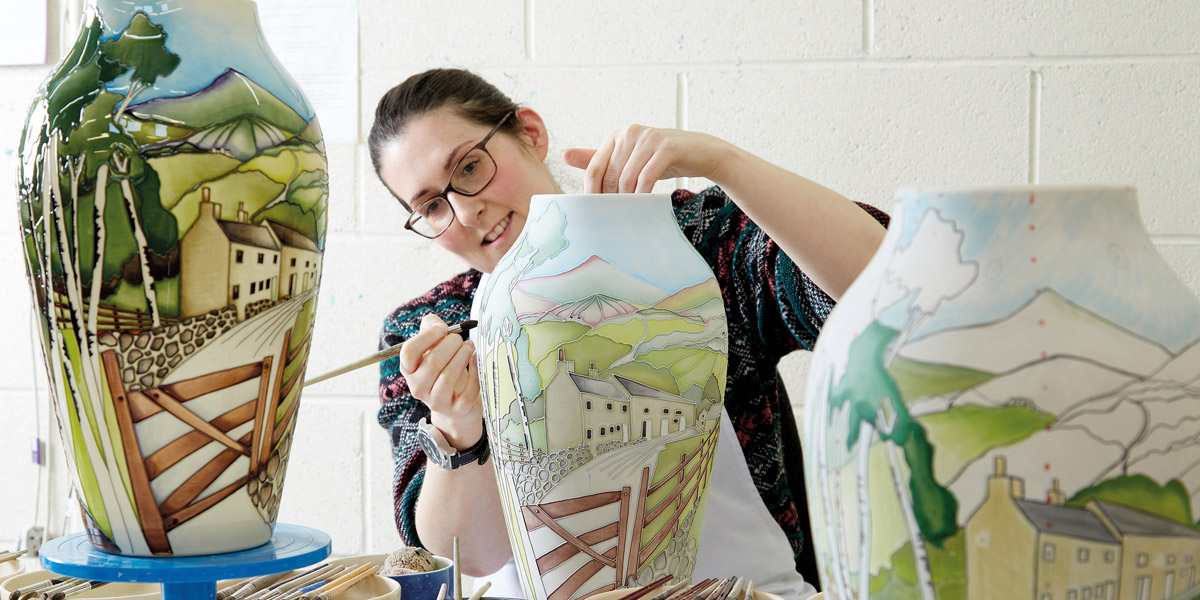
(1115,280)
(205,51)
(624,232)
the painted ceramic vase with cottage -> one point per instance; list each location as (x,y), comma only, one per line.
(1004,405)
(173,189)
(602,355)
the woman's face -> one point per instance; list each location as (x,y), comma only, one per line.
(416,166)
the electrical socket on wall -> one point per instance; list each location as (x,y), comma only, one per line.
(31,539)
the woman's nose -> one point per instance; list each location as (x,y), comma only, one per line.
(468,209)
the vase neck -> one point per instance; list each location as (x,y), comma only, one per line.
(239,15)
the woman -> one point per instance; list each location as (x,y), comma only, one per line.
(465,160)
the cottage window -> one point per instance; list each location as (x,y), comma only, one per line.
(275,259)
(293,262)
(611,429)
(675,420)
(1187,558)
(679,412)
(238,257)
(666,412)
(306,264)
(1047,552)
(1072,594)
(601,432)
(1100,591)
(1046,596)
(589,434)
(646,410)
(588,405)
(268,284)
(1170,559)
(1087,593)
(236,291)
(1110,556)
(624,408)
(260,258)
(609,406)
(618,427)
(1082,555)
(252,283)
(1143,559)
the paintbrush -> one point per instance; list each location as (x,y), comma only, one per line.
(344,582)
(669,591)
(7,556)
(382,355)
(77,589)
(457,573)
(442,592)
(33,589)
(479,592)
(634,595)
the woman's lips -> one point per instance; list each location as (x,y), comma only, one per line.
(498,230)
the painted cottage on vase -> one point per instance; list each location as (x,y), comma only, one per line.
(238,263)
(613,408)
(1100,551)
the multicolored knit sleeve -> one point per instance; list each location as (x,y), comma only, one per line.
(400,411)
(785,307)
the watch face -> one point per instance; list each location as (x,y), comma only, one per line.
(433,453)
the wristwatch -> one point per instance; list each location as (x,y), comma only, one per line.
(439,452)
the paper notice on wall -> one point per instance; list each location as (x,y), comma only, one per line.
(317,42)
(23,33)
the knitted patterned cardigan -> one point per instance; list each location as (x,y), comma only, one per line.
(772,309)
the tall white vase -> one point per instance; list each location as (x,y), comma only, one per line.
(602,355)
(172,200)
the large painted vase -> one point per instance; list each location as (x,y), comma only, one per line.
(602,351)
(1006,405)
(172,205)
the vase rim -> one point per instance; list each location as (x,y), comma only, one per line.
(592,197)
(1035,187)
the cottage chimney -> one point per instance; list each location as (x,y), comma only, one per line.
(207,207)
(592,372)
(1055,494)
(562,355)
(1000,485)
(242,215)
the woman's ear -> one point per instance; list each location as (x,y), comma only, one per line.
(533,131)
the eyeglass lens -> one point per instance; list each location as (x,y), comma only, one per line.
(470,176)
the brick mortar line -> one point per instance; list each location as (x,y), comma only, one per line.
(834,63)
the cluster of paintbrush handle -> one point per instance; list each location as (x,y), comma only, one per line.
(7,556)
(56,588)
(733,588)
(322,582)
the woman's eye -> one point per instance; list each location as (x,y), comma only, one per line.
(432,208)
(469,168)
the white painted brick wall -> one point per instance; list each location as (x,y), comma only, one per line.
(863,96)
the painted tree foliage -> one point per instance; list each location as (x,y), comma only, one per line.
(82,214)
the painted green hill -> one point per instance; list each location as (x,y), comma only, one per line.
(923,380)
(962,434)
(186,172)
(225,99)
(252,188)
(1170,501)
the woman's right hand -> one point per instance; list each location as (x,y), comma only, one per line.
(441,372)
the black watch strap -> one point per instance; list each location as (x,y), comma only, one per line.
(480,451)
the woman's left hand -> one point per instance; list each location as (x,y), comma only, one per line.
(632,159)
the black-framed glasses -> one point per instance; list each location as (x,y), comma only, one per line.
(471,174)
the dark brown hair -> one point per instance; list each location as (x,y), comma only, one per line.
(471,96)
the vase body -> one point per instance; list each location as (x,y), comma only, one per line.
(602,355)
(173,189)
(1003,406)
